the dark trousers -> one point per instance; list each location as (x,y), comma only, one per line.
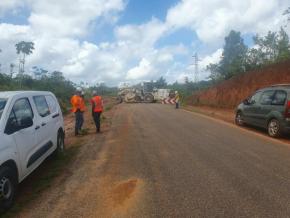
(79,121)
(97,119)
(177,105)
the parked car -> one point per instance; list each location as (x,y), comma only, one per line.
(31,129)
(268,108)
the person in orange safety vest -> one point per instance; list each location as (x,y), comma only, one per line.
(78,108)
(97,109)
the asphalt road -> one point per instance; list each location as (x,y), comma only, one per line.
(172,163)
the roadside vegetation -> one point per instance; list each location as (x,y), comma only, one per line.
(43,80)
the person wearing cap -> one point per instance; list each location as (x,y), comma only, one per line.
(78,109)
(177,99)
(97,109)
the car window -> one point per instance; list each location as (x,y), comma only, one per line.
(255,98)
(2,105)
(41,106)
(267,97)
(21,110)
(52,104)
(279,98)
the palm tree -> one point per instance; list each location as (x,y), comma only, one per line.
(12,69)
(24,48)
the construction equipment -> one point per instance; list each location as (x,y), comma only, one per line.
(144,92)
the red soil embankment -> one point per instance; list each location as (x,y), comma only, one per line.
(230,93)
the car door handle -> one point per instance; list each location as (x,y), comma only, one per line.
(56,115)
(43,124)
(37,127)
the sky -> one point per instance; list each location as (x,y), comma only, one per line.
(116,41)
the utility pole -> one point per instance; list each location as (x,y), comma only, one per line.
(196,69)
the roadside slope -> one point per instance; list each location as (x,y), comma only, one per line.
(230,93)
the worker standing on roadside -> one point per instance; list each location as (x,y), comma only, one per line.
(78,109)
(83,107)
(177,99)
(97,109)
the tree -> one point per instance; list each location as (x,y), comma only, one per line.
(160,83)
(12,69)
(283,46)
(272,48)
(23,48)
(215,74)
(234,55)
(287,13)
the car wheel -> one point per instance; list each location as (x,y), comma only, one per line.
(8,187)
(274,129)
(60,142)
(239,119)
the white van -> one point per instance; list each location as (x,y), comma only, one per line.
(31,128)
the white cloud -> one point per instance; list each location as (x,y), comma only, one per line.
(70,18)
(213,19)
(145,34)
(60,28)
(8,5)
(141,71)
(211,59)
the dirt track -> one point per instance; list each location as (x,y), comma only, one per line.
(160,162)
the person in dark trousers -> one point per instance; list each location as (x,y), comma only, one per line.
(83,106)
(177,99)
(97,109)
(78,109)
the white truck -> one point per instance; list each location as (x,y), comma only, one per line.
(31,129)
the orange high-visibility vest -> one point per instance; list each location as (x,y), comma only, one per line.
(97,103)
(82,105)
(76,102)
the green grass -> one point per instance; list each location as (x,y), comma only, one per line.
(41,179)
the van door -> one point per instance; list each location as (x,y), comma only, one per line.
(251,109)
(45,124)
(24,134)
(266,107)
(276,109)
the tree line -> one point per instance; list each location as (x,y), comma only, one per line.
(238,58)
(41,80)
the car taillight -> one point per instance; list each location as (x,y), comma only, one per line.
(287,111)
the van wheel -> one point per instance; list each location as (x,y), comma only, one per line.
(239,119)
(60,142)
(8,187)
(274,129)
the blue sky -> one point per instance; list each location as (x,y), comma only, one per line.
(115,41)
(139,11)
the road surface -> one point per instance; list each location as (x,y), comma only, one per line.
(160,162)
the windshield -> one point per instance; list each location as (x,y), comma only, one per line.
(2,106)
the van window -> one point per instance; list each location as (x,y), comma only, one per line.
(41,106)
(52,104)
(255,98)
(267,97)
(20,111)
(279,98)
(2,105)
